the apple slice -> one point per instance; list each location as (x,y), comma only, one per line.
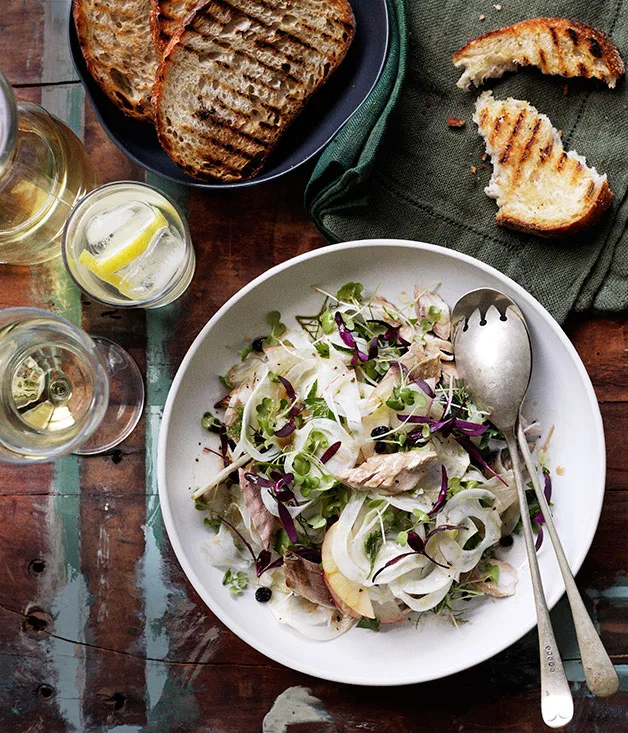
(350,597)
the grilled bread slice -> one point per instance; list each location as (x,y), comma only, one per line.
(539,187)
(167,18)
(554,45)
(119,51)
(237,73)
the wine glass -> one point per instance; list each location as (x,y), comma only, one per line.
(62,391)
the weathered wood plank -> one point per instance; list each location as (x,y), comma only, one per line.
(23,20)
(215,696)
(603,346)
(112,546)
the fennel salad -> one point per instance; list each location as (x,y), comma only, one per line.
(360,484)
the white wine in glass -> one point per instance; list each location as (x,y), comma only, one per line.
(62,391)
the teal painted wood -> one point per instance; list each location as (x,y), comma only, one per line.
(70,601)
(159,592)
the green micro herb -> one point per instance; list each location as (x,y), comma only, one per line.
(226,383)
(211,423)
(245,352)
(235,581)
(368,623)
(351,293)
(401,398)
(491,572)
(212,522)
(372,545)
(281,541)
(328,323)
(277,328)
(323,349)
(317,405)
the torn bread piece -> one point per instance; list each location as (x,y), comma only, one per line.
(554,45)
(539,188)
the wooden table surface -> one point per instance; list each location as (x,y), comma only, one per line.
(99,628)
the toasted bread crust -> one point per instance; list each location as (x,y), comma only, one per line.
(540,188)
(597,209)
(166,19)
(131,94)
(572,49)
(226,151)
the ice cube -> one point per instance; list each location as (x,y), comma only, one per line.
(149,274)
(113,229)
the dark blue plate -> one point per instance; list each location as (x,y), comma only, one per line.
(326,113)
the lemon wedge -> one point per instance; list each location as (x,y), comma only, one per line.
(106,265)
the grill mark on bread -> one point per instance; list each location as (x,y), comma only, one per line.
(204,113)
(595,48)
(301,23)
(260,43)
(546,152)
(554,35)
(528,146)
(573,34)
(590,189)
(542,59)
(248,77)
(217,142)
(279,31)
(255,60)
(513,137)
(582,70)
(561,162)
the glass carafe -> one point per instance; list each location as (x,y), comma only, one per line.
(44,171)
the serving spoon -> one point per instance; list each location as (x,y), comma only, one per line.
(494,359)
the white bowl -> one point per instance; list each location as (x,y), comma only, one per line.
(560,395)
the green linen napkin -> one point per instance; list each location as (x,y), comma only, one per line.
(397,170)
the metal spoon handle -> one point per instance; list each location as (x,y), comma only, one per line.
(599,672)
(556,700)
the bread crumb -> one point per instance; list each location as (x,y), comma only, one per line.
(497,7)
(482,17)
(474,169)
(484,156)
(566,89)
(455,122)
(560,133)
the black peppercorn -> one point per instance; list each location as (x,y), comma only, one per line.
(379,430)
(263,594)
(258,344)
(506,541)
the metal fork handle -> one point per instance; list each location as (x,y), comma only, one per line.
(599,672)
(556,699)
